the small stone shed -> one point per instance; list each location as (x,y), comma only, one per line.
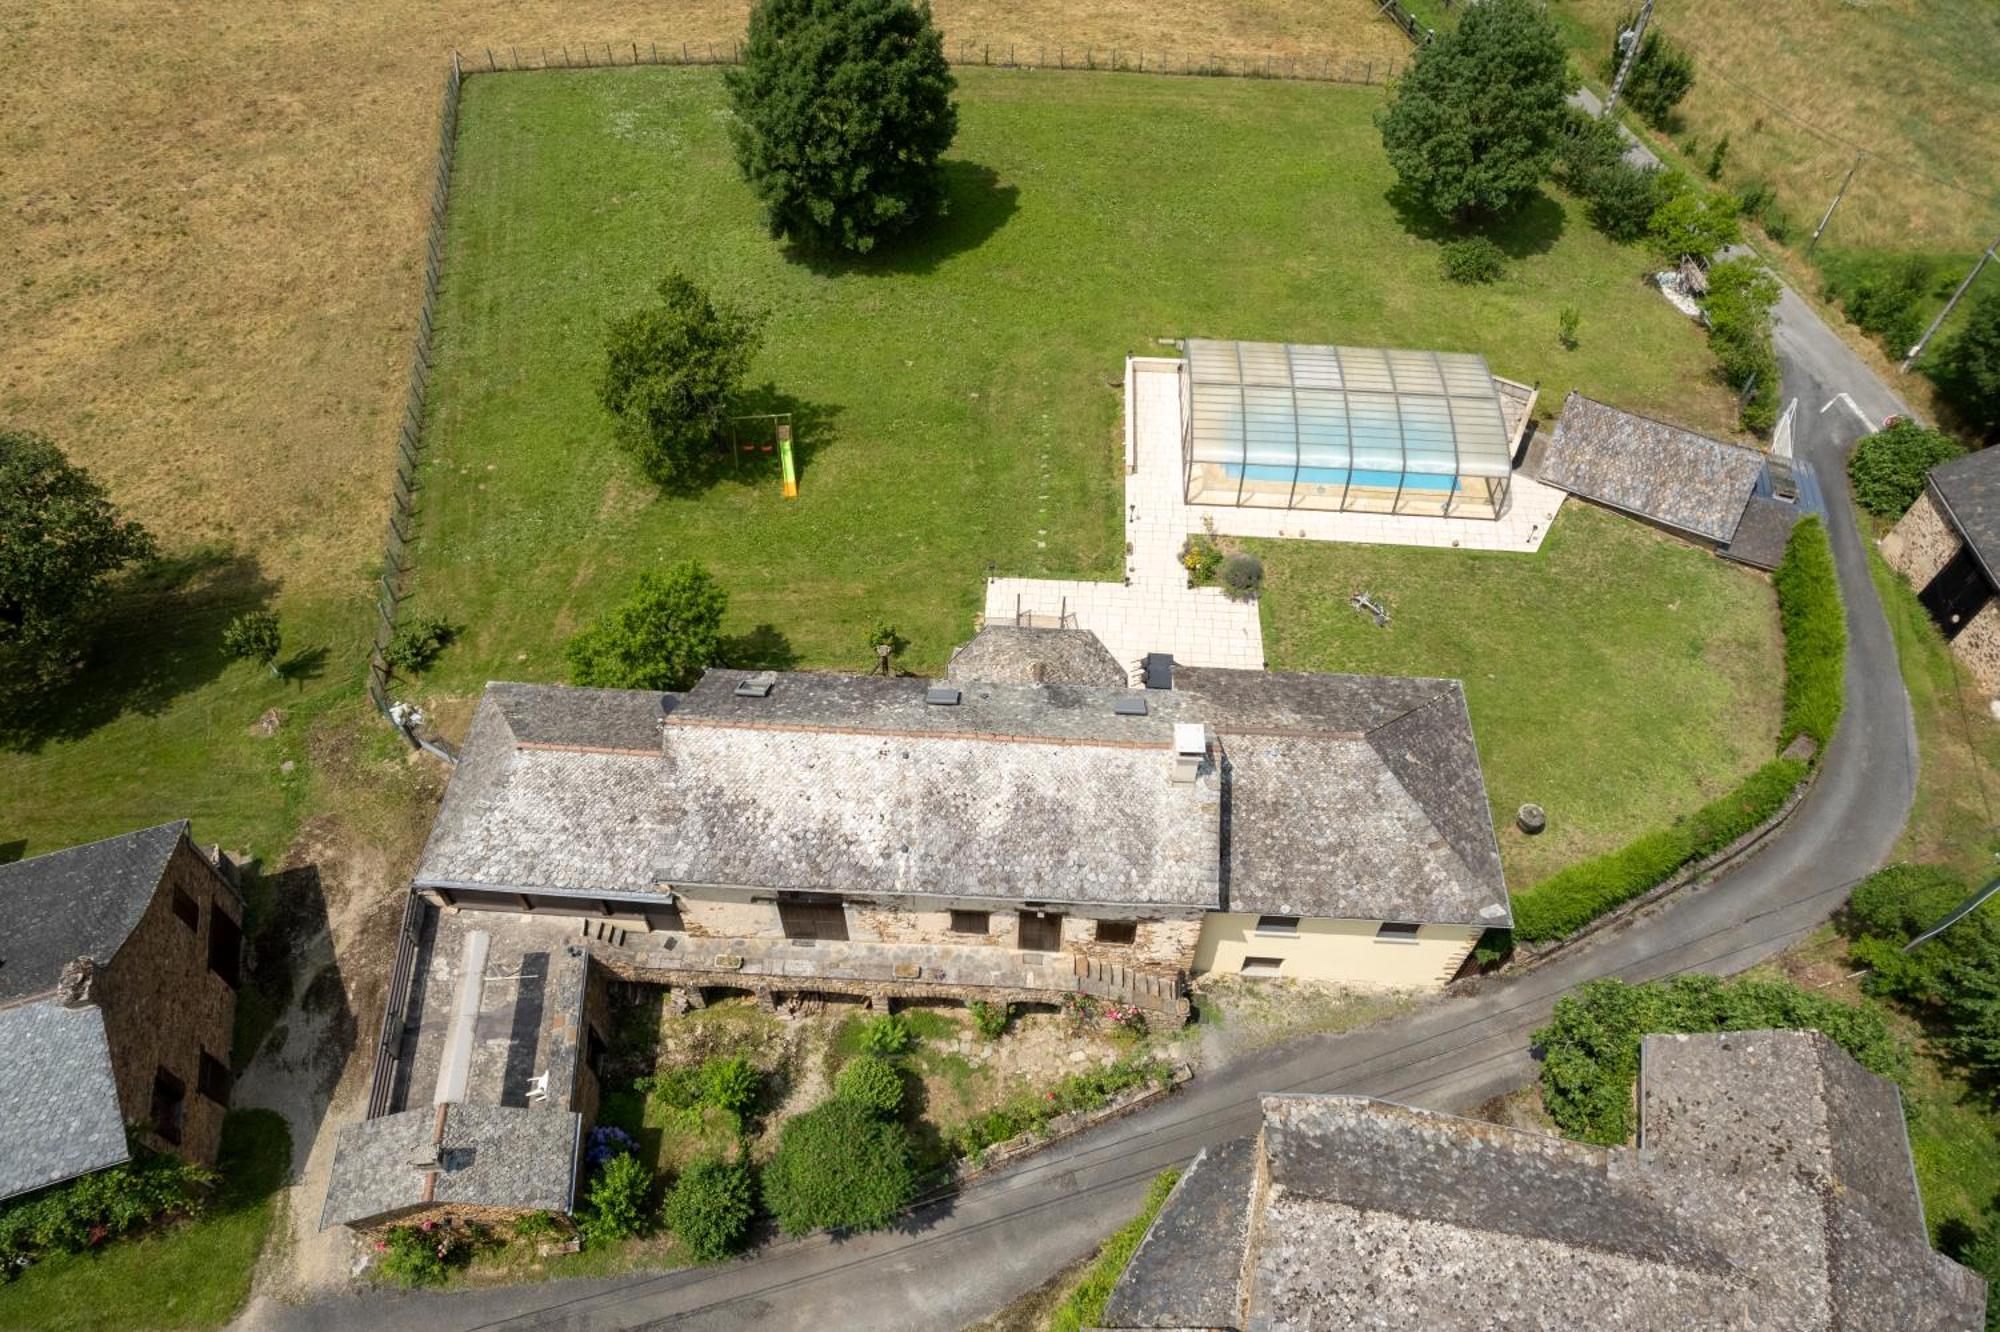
(1948,546)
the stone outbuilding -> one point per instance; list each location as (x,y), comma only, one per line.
(1772,1187)
(1948,546)
(119,964)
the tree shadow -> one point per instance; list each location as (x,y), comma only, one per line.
(13,851)
(1532,229)
(303,665)
(976,205)
(157,638)
(764,648)
(753,459)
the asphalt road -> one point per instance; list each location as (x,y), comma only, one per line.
(966,1258)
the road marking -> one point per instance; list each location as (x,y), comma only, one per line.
(1859,415)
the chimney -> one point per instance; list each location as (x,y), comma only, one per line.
(74,985)
(1190,748)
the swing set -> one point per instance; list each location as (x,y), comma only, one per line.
(764,434)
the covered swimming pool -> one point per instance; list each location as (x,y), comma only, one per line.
(1290,426)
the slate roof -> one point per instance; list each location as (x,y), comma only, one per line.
(1759,540)
(1664,473)
(1348,796)
(84,900)
(59,1114)
(493,1155)
(1005,654)
(1969,490)
(1772,1189)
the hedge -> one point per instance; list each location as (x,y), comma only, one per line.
(1568,900)
(1084,1306)
(1815,635)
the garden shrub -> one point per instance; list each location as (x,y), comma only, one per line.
(677,1088)
(1084,1306)
(1585,145)
(1590,1048)
(254,636)
(887,1036)
(709,1208)
(872,1082)
(990,1020)
(730,1084)
(1889,467)
(418,641)
(1201,558)
(839,1167)
(1571,898)
(1242,577)
(415,1256)
(87,1211)
(620,1203)
(1471,260)
(1815,627)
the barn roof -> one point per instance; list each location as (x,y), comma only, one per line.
(80,901)
(1969,489)
(59,1114)
(1006,654)
(1663,473)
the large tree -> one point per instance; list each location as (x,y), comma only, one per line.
(842,110)
(61,538)
(1472,128)
(662,638)
(670,369)
(1970,366)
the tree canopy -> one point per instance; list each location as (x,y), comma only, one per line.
(1971,366)
(61,538)
(662,638)
(839,1166)
(1474,126)
(1660,77)
(670,370)
(843,108)
(1889,468)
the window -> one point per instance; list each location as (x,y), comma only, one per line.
(1040,932)
(808,916)
(187,909)
(1262,966)
(225,948)
(169,1100)
(1283,926)
(1117,931)
(971,922)
(1395,931)
(593,1052)
(212,1080)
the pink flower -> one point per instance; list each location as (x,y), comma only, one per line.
(381,1246)
(428,1226)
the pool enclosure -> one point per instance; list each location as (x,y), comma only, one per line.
(1282,426)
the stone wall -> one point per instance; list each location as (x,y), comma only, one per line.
(1921,543)
(163,1007)
(1978,646)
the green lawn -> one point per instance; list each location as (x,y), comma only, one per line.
(1618,677)
(192,1275)
(956,403)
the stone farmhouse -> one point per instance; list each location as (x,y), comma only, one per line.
(1772,1187)
(1948,546)
(119,965)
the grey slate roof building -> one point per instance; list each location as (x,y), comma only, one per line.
(59,1114)
(509,1156)
(1968,489)
(1347,796)
(1772,1188)
(1007,654)
(1663,473)
(1759,539)
(82,900)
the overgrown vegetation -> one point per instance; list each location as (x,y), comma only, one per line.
(1951,982)
(1815,625)
(839,1166)
(421,1255)
(1084,1306)
(710,1207)
(1889,295)
(1031,1111)
(1888,468)
(1967,368)
(1738,308)
(990,1020)
(871,1082)
(662,638)
(418,640)
(670,371)
(100,1207)
(1590,1048)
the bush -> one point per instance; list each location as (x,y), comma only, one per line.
(661,638)
(1693,222)
(1952,980)
(1201,558)
(536,1226)
(414,1256)
(871,1082)
(1815,627)
(730,1084)
(1621,199)
(1660,77)
(1242,577)
(1889,467)
(1888,296)
(1471,260)
(1738,311)
(709,1209)
(1585,145)
(93,1208)
(1084,1306)
(990,1020)
(843,108)
(887,1036)
(1967,369)
(1474,125)
(670,370)
(839,1167)
(620,1205)
(1570,899)
(1757,201)
(417,643)
(253,636)
(1590,1049)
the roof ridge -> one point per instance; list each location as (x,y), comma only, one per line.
(1663,424)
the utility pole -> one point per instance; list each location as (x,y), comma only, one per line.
(1839,194)
(1963,287)
(1631,56)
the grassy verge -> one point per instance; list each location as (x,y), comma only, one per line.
(1617,677)
(195,1274)
(955,403)
(1084,1306)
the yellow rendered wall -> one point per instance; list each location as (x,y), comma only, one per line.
(1343,951)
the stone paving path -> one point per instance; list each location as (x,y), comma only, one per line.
(1154,610)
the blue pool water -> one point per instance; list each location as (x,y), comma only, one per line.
(1337,476)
